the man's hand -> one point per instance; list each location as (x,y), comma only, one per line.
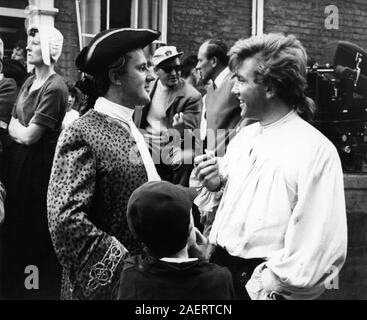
(178,121)
(207,172)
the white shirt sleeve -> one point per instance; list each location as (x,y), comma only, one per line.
(315,242)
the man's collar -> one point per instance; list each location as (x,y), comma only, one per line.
(220,78)
(113,110)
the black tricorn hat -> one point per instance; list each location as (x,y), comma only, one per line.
(108,45)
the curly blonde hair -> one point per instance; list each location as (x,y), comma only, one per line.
(282,62)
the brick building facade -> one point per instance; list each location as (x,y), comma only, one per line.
(190,22)
(306,19)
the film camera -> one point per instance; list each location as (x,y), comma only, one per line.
(338,85)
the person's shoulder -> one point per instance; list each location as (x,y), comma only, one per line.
(247,130)
(8,83)
(310,136)
(134,264)
(212,268)
(213,272)
(83,125)
(57,82)
(90,119)
(190,90)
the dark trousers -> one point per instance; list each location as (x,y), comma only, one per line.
(241,270)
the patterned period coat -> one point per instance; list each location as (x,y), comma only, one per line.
(94,173)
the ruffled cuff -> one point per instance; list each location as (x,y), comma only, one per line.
(208,203)
(266,285)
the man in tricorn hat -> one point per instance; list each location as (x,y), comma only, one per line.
(100,159)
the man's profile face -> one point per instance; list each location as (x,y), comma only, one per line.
(251,95)
(169,72)
(204,65)
(134,84)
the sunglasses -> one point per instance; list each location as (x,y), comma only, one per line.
(169,69)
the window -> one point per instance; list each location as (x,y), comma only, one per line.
(150,14)
(97,15)
(11,28)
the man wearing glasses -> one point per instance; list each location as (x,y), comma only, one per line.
(171,116)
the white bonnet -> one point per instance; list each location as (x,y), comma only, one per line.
(51,41)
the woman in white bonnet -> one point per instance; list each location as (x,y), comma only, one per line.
(34,127)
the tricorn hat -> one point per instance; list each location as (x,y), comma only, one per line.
(107,46)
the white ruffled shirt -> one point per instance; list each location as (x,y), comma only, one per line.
(124,115)
(284,202)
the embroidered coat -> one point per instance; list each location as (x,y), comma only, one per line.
(95,170)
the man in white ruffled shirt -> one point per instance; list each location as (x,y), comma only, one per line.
(280,224)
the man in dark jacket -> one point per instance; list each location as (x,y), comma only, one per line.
(171,116)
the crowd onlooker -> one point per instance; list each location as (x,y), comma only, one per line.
(34,129)
(173,112)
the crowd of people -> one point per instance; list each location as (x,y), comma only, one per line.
(167,177)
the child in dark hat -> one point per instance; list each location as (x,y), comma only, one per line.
(159,215)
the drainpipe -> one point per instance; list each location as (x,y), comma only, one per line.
(257,27)
(79,24)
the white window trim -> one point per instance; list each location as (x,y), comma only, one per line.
(12,12)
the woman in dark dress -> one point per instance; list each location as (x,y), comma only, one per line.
(30,267)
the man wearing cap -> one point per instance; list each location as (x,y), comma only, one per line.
(174,111)
(101,158)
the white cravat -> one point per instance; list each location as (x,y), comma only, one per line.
(124,114)
(144,152)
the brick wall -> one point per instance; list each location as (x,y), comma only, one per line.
(65,21)
(306,19)
(352,282)
(191,22)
